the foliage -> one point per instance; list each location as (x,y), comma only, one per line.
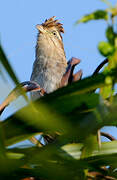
(74,113)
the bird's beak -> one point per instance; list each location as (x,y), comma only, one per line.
(40,28)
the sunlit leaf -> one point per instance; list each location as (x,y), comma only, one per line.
(59,159)
(107,148)
(58,120)
(89,145)
(107,91)
(99,14)
(19,131)
(110,35)
(11,155)
(113,11)
(105,48)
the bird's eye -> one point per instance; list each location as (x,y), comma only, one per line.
(54,33)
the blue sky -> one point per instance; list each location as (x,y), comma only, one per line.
(18,34)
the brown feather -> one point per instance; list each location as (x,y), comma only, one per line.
(51,22)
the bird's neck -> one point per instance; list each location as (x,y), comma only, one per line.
(47,49)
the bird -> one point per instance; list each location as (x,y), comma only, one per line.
(50,68)
(50,62)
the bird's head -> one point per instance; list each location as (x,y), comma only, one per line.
(50,31)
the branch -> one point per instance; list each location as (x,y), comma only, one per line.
(110,137)
(100,67)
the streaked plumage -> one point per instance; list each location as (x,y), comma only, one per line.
(50,63)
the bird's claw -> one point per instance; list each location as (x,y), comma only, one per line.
(69,77)
(74,61)
(77,76)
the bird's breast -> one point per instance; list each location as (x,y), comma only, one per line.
(48,72)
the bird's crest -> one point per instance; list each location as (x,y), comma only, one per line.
(51,22)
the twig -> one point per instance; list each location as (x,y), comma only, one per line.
(100,67)
(99,138)
(110,137)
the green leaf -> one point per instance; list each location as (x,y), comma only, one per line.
(3,75)
(107,148)
(9,166)
(59,119)
(110,35)
(105,48)
(62,159)
(19,131)
(12,155)
(113,11)
(107,91)
(99,14)
(89,145)
(21,128)
(68,103)
(7,66)
(2,143)
(50,163)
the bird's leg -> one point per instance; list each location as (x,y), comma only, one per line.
(68,77)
